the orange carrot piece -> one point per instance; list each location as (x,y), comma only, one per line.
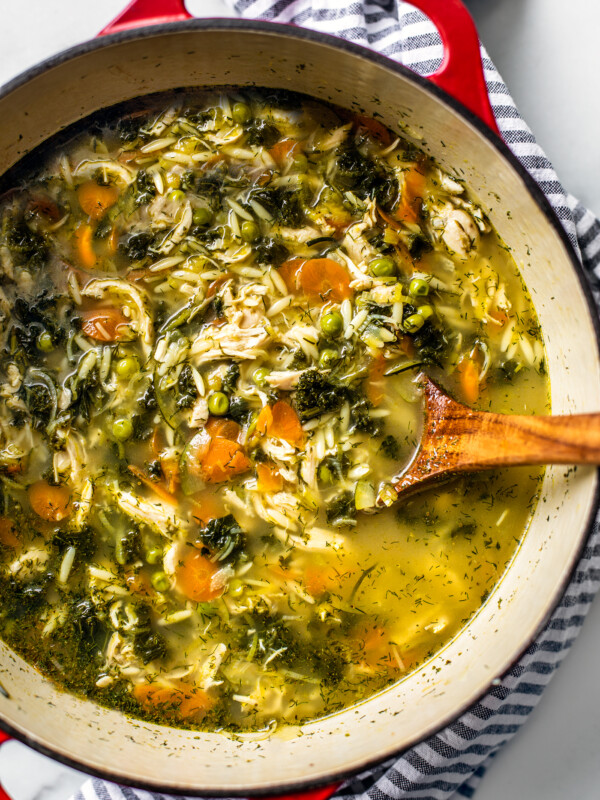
(195,578)
(95,200)
(84,246)
(281,422)
(105,325)
(283,150)
(375,381)
(324,279)
(268,478)
(377,129)
(468,371)
(139,583)
(8,536)
(223,428)
(156,487)
(290,272)
(180,702)
(52,503)
(113,240)
(208,505)
(214,285)
(413,190)
(224,460)
(318,579)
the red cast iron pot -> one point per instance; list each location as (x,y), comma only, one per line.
(450,117)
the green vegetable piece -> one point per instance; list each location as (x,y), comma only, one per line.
(201,216)
(259,376)
(413,323)
(122,429)
(160,581)
(44,342)
(425,311)
(236,587)
(154,555)
(127,547)
(332,323)
(218,403)
(241,113)
(364,495)
(382,267)
(418,287)
(328,358)
(325,475)
(299,163)
(127,367)
(250,231)
(177,195)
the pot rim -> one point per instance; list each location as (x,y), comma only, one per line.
(234,24)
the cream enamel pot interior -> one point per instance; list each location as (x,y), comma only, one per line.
(203,53)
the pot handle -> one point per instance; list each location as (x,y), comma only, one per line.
(461,71)
(147,12)
(4,737)
(323,793)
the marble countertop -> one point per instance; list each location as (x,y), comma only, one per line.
(548,53)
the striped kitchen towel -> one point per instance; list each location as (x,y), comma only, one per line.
(451,763)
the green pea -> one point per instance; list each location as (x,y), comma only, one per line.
(177,195)
(299,163)
(332,323)
(201,216)
(425,311)
(383,267)
(328,358)
(250,231)
(236,587)
(122,429)
(218,403)
(154,555)
(241,113)
(413,323)
(44,342)
(127,367)
(418,287)
(259,376)
(161,582)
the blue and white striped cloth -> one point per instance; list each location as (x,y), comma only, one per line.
(451,763)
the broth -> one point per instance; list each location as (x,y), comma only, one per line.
(213,318)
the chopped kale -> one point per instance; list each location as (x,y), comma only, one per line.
(315,395)
(148,645)
(360,416)
(28,246)
(418,246)
(224,537)
(333,469)
(83,540)
(144,188)
(270,251)
(39,403)
(230,379)
(431,344)
(262,133)
(239,409)
(136,246)
(390,448)
(360,174)
(186,388)
(127,129)
(284,205)
(341,511)
(148,399)
(86,396)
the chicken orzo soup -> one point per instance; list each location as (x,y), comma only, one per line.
(212,316)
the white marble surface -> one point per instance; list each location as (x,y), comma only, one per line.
(548,52)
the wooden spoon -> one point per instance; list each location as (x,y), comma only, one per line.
(456,440)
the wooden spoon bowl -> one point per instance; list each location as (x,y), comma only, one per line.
(457,439)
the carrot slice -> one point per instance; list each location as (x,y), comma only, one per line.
(139,583)
(156,487)
(468,371)
(95,200)
(290,272)
(52,503)
(224,460)
(84,246)
(8,536)
(105,325)
(268,478)
(281,422)
(324,279)
(413,190)
(195,578)
(223,428)
(208,505)
(318,579)
(180,702)
(377,129)
(113,240)
(283,150)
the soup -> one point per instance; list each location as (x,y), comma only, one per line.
(214,313)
